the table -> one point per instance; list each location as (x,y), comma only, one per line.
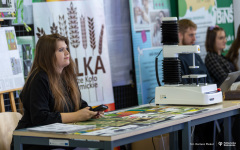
(225,110)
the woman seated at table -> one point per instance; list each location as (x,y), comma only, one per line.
(233,56)
(233,53)
(51,93)
(218,66)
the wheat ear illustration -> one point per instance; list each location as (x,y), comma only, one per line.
(92,42)
(40,33)
(100,40)
(100,47)
(73,27)
(91,33)
(63,26)
(84,32)
(54,28)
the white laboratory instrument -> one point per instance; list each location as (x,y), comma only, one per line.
(188,94)
(172,92)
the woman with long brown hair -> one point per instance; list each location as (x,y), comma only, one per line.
(217,65)
(233,53)
(51,94)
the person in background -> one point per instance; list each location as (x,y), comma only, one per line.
(233,53)
(187,36)
(51,93)
(233,57)
(217,65)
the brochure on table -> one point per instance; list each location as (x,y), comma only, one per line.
(127,120)
(61,128)
(137,118)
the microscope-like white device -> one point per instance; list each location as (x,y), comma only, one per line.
(173,91)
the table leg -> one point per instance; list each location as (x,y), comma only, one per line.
(173,140)
(186,136)
(17,144)
(227,131)
(108,145)
(214,133)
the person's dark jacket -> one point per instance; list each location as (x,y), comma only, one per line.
(219,67)
(187,60)
(38,103)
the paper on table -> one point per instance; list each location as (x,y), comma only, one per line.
(61,128)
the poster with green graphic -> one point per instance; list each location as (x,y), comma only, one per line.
(208,13)
(224,19)
(202,13)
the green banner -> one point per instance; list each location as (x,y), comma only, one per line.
(224,18)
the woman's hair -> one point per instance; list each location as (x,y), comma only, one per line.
(233,52)
(45,59)
(211,38)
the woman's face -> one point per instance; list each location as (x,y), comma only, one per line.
(220,42)
(62,55)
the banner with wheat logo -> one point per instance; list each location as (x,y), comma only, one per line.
(83,23)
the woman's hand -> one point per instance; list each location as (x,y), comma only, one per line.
(100,114)
(85,114)
(81,115)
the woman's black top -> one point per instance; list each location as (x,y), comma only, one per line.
(38,103)
(218,67)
